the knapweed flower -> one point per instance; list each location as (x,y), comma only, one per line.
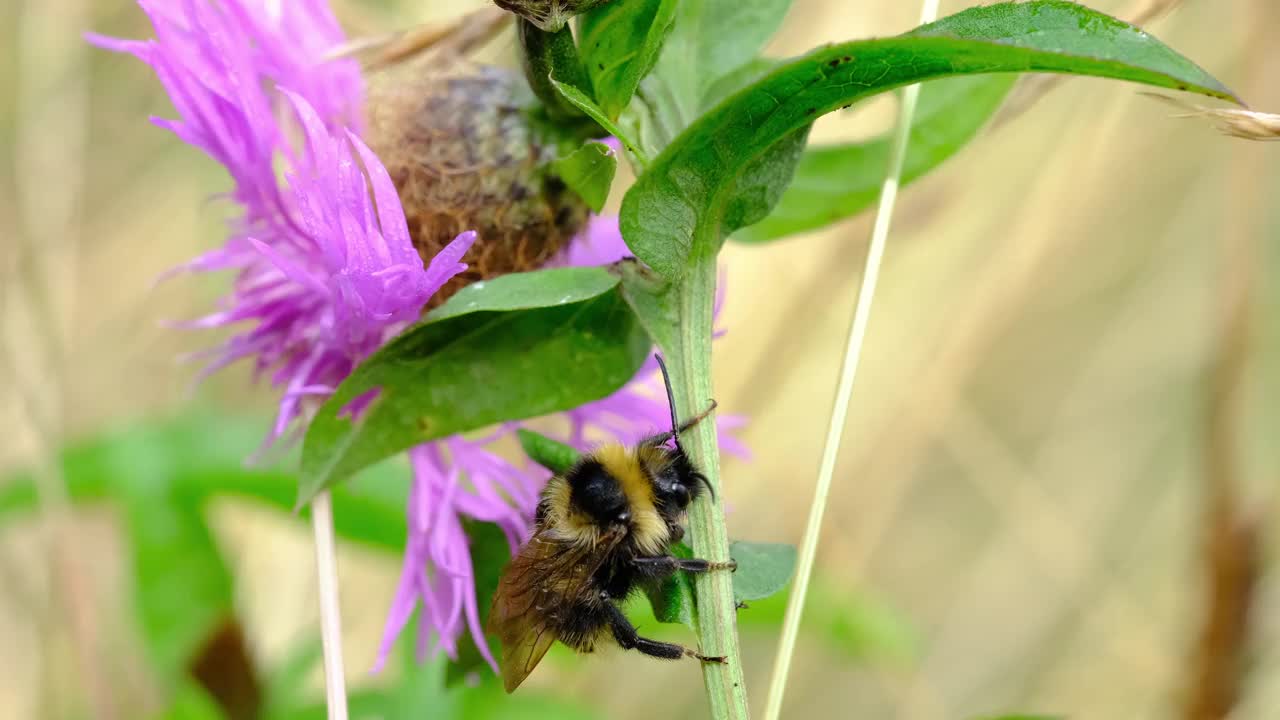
(457,140)
(325,270)
(328,265)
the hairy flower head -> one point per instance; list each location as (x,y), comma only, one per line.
(324,268)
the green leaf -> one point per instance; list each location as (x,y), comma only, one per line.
(550,454)
(528,291)
(854,625)
(839,181)
(672,598)
(182,587)
(589,172)
(470,367)
(738,79)
(584,103)
(762,182)
(551,54)
(726,34)
(490,553)
(370,509)
(286,686)
(619,43)
(679,208)
(650,297)
(192,703)
(489,701)
(763,569)
(711,39)
(417,693)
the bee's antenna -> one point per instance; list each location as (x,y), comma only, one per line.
(671,401)
(675,422)
(707,484)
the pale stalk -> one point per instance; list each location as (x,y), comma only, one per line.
(335,685)
(848,374)
(688,356)
(39,299)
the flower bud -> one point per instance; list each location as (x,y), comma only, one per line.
(549,15)
(460,149)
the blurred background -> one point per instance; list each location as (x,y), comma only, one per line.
(1058,485)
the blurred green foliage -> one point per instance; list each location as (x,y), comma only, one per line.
(162,475)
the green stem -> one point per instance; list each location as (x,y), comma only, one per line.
(547,55)
(689,361)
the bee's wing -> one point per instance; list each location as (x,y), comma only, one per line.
(543,578)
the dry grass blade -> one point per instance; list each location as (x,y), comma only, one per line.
(458,36)
(1233,532)
(1236,122)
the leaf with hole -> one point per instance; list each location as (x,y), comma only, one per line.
(685,203)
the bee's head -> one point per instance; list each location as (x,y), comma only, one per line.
(677,483)
(596,493)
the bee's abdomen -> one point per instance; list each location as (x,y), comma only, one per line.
(580,624)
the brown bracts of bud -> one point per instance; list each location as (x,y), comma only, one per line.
(458,144)
(549,15)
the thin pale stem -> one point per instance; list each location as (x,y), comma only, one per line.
(848,374)
(38,299)
(689,360)
(335,684)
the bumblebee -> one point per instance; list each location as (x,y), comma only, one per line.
(603,530)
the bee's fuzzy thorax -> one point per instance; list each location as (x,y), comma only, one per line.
(617,477)
(649,532)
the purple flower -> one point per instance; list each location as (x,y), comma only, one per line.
(325,272)
(437,571)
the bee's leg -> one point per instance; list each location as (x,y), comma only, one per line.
(625,633)
(664,565)
(661,438)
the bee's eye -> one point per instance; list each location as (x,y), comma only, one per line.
(672,492)
(681,494)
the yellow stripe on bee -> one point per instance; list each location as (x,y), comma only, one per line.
(649,531)
(564,519)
